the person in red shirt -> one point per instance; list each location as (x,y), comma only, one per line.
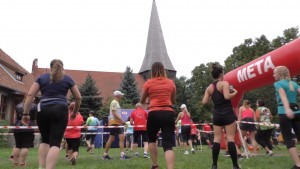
(73,135)
(161,92)
(138,118)
(207,133)
(194,135)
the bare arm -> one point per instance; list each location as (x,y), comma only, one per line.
(117,116)
(226,92)
(131,120)
(207,95)
(34,89)
(254,115)
(178,117)
(240,113)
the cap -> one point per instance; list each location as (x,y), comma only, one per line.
(183,106)
(118,93)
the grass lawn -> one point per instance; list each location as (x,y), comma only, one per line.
(199,160)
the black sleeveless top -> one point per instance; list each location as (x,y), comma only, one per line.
(221,105)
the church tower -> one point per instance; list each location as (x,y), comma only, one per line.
(156,50)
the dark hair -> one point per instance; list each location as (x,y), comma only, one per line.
(246,103)
(92,112)
(57,72)
(158,70)
(260,103)
(216,71)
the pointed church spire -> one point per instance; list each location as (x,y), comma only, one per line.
(156,50)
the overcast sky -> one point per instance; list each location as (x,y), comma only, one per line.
(108,35)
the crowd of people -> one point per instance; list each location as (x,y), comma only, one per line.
(52,115)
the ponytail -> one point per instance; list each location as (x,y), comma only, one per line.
(285,74)
(57,72)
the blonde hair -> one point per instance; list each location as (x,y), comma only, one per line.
(158,70)
(246,103)
(284,73)
(57,70)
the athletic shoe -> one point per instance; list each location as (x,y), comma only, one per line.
(154,167)
(186,153)
(146,155)
(193,151)
(240,157)
(73,161)
(124,157)
(106,157)
(88,149)
(226,154)
(295,167)
(214,167)
(236,167)
(270,153)
(136,154)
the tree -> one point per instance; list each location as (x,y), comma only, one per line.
(91,99)
(129,87)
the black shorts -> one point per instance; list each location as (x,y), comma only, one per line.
(248,127)
(194,137)
(24,139)
(138,133)
(116,131)
(91,136)
(73,144)
(165,121)
(186,133)
(52,122)
(224,119)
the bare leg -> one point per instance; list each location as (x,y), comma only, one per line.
(146,147)
(16,154)
(52,157)
(121,142)
(170,159)
(23,155)
(108,143)
(294,154)
(253,142)
(153,153)
(43,151)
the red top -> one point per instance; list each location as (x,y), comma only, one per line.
(185,119)
(194,130)
(74,132)
(206,127)
(159,92)
(139,117)
(247,113)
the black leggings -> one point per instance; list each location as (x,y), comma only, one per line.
(263,137)
(73,144)
(52,122)
(186,133)
(286,126)
(164,120)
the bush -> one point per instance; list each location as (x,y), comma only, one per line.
(3,138)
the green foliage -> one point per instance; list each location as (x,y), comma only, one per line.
(3,138)
(129,87)
(91,99)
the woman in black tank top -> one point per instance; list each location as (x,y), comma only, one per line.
(223,114)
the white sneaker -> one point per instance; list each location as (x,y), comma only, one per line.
(193,151)
(270,153)
(186,153)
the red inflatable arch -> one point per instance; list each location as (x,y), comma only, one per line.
(259,72)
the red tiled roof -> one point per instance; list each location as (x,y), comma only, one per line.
(106,82)
(8,67)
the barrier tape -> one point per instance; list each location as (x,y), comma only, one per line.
(121,126)
(268,124)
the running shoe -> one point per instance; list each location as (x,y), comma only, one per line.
(295,167)
(146,155)
(124,157)
(193,151)
(88,149)
(240,157)
(214,167)
(270,153)
(236,167)
(106,157)
(154,167)
(226,154)
(136,154)
(73,161)
(186,153)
